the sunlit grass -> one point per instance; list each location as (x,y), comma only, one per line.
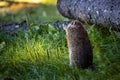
(44,56)
(44,51)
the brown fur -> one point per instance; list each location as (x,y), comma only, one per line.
(80,48)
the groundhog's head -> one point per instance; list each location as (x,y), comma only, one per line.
(73,27)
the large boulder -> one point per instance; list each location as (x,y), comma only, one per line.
(101,12)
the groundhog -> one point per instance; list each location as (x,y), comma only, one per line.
(80,48)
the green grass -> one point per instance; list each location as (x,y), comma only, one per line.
(43,55)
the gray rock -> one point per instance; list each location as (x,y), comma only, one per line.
(101,12)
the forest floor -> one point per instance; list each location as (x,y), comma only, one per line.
(41,53)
